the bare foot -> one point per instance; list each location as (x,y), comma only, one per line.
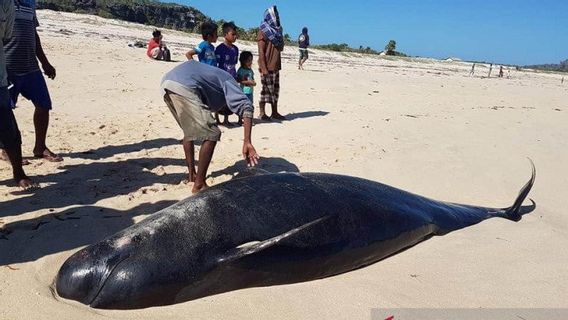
(4,157)
(48,155)
(196,188)
(26,184)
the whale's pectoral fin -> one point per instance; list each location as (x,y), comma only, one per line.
(253,247)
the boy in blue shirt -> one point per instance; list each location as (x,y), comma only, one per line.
(205,50)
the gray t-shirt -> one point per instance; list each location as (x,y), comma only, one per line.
(21,49)
(216,87)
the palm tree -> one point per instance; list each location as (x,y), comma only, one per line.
(390,47)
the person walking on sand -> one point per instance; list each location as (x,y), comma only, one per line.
(303,44)
(10,137)
(270,45)
(192,91)
(501,72)
(23,51)
(490,69)
(472,70)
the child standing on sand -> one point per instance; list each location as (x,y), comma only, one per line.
(245,75)
(205,50)
(227,55)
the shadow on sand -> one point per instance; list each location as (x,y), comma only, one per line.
(289,117)
(86,184)
(109,151)
(25,240)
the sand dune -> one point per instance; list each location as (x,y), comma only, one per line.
(418,124)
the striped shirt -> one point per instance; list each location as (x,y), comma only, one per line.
(21,49)
(6,24)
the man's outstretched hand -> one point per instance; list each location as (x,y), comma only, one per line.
(250,155)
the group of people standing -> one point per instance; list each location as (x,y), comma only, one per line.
(472,71)
(194,91)
(197,91)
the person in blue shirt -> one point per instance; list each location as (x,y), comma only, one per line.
(205,50)
(227,55)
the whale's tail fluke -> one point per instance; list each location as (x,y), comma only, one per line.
(515,212)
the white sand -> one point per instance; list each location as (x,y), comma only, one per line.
(417,124)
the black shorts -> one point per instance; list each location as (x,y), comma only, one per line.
(9,133)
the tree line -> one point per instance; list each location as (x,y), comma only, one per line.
(178,17)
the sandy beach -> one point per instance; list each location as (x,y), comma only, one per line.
(418,124)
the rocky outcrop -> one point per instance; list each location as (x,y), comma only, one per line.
(167,15)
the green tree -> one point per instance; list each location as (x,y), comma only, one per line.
(390,47)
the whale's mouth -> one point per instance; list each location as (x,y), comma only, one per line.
(83,280)
(102,284)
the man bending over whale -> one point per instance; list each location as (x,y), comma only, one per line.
(192,91)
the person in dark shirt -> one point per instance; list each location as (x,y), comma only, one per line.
(10,137)
(23,51)
(303,44)
(227,54)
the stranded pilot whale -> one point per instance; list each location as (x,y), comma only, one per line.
(261,230)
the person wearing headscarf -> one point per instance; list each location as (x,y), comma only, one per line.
(270,45)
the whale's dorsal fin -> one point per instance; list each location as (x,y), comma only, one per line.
(252,247)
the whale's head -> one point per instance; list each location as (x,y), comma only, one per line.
(84,274)
(135,268)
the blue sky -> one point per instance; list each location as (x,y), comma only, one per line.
(501,31)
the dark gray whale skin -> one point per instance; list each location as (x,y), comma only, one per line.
(260,231)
